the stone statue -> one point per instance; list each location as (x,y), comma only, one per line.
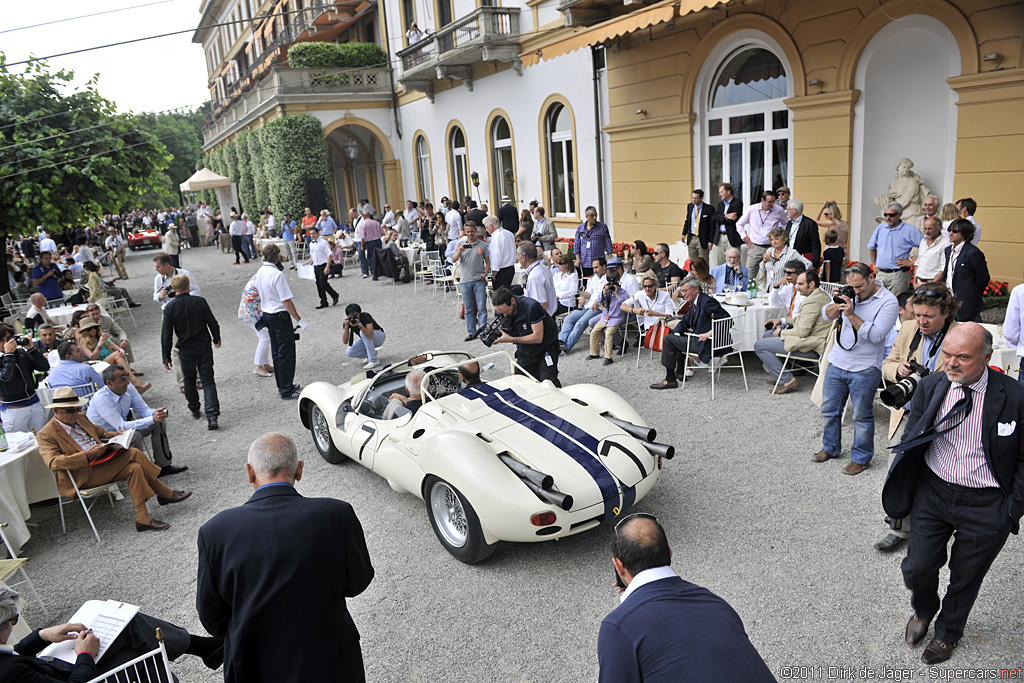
(908,189)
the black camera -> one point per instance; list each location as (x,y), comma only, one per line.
(353,320)
(899,394)
(845,290)
(492,331)
(23,341)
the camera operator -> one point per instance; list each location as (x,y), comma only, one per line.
(533,332)
(363,335)
(919,340)
(853,365)
(20,406)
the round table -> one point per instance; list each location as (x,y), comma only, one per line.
(757,313)
(62,314)
(24,479)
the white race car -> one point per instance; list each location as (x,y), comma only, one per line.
(508,459)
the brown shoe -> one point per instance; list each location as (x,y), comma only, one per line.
(916,628)
(665,384)
(788,386)
(937,652)
(854,468)
(154,525)
(822,456)
(176,497)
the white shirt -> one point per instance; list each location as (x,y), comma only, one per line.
(977,231)
(47,244)
(250,229)
(954,254)
(566,286)
(84,254)
(783,296)
(272,284)
(114,242)
(503,249)
(161,281)
(1015,319)
(931,260)
(594,289)
(540,287)
(411,215)
(645,577)
(454,221)
(661,303)
(629,283)
(271,223)
(237,228)
(320,251)
(389,219)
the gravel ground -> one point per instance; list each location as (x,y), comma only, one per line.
(787,542)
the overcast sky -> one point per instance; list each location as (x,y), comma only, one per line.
(151,75)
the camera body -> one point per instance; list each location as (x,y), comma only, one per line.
(845,290)
(492,331)
(899,394)
(353,320)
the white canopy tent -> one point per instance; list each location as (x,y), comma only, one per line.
(205,179)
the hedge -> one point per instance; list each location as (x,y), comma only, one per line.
(316,55)
(293,150)
(259,166)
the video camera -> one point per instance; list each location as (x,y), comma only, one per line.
(492,331)
(899,394)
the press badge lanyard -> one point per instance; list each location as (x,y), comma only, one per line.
(936,345)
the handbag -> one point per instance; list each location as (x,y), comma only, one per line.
(654,336)
(249,309)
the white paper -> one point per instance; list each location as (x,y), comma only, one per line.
(106,618)
(306,272)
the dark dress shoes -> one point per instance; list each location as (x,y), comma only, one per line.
(154,525)
(168,470)
(937,652)
(175,497)
(196,414)
(212,424)
(593,357)
(664,384)
(889,543)
(608,361)
(916,628)
(322,306)
(336,300)
(469,337)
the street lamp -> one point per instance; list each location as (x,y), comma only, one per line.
(351,148)
(475,177)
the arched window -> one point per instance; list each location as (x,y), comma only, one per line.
(422,169)
(501,156)
(561,185)
(460,164)
(748,134)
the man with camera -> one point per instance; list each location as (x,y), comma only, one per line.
(474,258)
(866,312)
(19,405)
(803,336)
(915,354)
(532,330)
(362,334)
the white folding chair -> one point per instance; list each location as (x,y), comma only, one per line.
(439,277)
(152,667)
(658,324)
(423,272)
(110,490)
(722,332)
(14,565)
(830,288)
(118,307)
(810,364)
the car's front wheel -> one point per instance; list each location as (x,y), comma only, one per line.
(321,432)
(455,522)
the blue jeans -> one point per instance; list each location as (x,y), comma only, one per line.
(474,292)
(249,246)
(574,325)
(768,346)
(860,387)
(361,348)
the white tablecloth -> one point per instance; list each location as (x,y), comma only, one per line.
(24,479)
(62,314)
(751,328)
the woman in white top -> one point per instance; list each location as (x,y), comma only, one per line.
(776,258)
(567,285)
(650,302)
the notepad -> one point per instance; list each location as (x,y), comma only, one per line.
(106,618)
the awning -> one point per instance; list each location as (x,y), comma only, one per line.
(204,179)
(658,13)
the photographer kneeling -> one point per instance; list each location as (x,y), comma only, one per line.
(533,332)
(363,335)
(919,343)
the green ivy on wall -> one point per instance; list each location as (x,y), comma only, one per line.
(258,166)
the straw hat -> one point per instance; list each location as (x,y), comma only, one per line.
(87,323)
(65,397)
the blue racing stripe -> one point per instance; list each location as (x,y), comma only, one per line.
(574,442)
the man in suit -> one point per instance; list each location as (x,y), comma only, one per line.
(275,572)
(723,224)
(697,226)
(959,469)
(731,272)
(697,320)
(803,336)
(803,233)
(920,340)
(966,271)
(69,443)
(668,629)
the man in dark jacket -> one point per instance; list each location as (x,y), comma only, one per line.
(20,406)
(274,575)
(190,318)
(697,320)
(966,271)
(803,233)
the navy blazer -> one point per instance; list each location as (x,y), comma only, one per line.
(1004,405)
(703,231)
(807,240)
(719,219)
(273,578)
(26,667)
(698,321)
(672,631)
(969,281)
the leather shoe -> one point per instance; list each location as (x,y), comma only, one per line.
(889,543)
(916,628)
(322,306)
(212,424)
(788,386)
(215,658)
(469,338)
(822,456)
(937,652)
(336,300)
(196,414)
(608,361)
(168,470)
(664,384)
(854,468)
(154,525)
(176,497)
(593,357)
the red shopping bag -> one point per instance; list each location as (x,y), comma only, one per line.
(654,336)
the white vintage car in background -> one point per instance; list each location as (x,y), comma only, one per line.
(509,459)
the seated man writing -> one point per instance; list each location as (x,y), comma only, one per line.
(19,663)
(698,320)
(72,446)
(413,401)
(113,405)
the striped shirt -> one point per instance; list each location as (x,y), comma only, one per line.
(958,456)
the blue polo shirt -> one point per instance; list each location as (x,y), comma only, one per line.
(893,243)
(287,228)
(50,288)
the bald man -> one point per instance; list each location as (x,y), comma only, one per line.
(959,469)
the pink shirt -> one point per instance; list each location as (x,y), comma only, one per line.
(958,455)
(369,230)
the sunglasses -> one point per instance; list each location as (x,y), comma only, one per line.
(13,620)
(790,272)
(928,293)
(650,287)
(67,410)
(635,515)
(954,231)
(890,215)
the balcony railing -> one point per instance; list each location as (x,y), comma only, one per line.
(485,34)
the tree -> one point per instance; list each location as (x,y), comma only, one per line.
(182,134)
(66,156)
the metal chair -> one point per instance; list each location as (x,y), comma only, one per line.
(111,490)
(721,338)
(830,287)
(151,667)
(422,273)
(118,307)
(16,564)
(438,276)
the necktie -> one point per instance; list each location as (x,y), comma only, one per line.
(962,407)
(791,302)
